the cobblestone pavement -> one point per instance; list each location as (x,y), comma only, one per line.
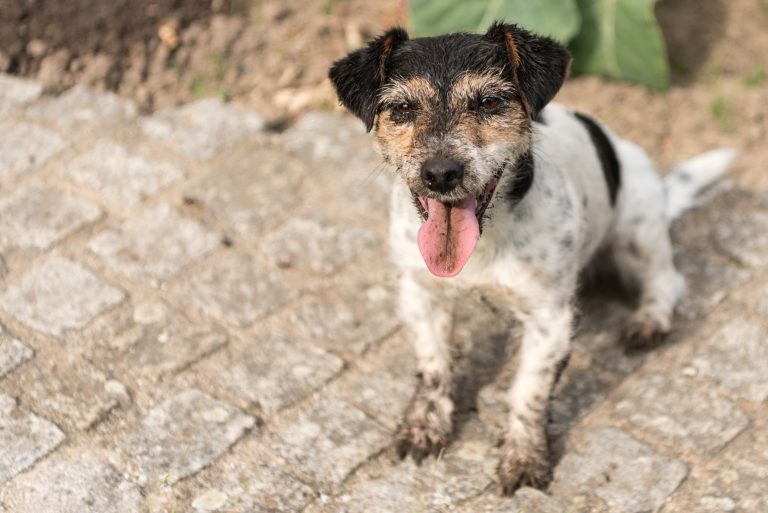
(197,316)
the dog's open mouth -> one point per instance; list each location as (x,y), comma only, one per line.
(451,229)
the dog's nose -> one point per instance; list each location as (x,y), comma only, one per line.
(442,175)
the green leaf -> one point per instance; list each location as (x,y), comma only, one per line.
(621,39)
(558,19)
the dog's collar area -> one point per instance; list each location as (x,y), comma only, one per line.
(522,179)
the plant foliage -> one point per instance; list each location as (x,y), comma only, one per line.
(616,38)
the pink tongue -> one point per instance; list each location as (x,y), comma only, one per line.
(449,235)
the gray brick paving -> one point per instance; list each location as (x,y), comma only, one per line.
(12,353)
(525,500)
(69,391)
(24,438)
(384,385)
(57,295)
(744,237)
(155,246)
(347,318)
(737,356)
(341,436)
(24,147)
(15,92)
(319,246)
(330,141)
(38,217)
(123,176)
(255,486)
(670,408)
(238,289)
(237,191)
(611,471)
(149,338)
(292,319)
(202,128)
(76,484)
(734,481)
(275,370)
(185,434)
(80,107)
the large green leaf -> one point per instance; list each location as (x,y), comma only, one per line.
(621,39)
(556,18)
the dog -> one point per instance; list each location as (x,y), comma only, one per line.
(499,188)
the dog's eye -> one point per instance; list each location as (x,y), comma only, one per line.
(490,103)
(404,108)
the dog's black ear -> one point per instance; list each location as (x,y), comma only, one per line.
(358,76)
(539,64)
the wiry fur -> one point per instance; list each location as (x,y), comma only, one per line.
(532,247)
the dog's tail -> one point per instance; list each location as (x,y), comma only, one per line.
(687,179)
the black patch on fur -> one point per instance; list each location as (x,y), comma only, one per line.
(606,154)
(359,76)
(522,179)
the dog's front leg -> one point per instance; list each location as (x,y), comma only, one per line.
(427,313)
(525,458)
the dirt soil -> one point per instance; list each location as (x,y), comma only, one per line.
(274,55)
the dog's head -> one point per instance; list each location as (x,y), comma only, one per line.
(451,114)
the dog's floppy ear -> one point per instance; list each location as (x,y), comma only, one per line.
(358,76)
(539,64)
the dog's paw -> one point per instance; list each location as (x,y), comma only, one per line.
(522,465)
(645,330)
(426,428)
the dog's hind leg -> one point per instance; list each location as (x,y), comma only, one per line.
(525,459)
(427,314)
(642,252)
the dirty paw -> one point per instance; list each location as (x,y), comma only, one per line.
(426,428)
(646,330)
(523,466)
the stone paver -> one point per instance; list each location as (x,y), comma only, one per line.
(347,318)
(341,436)
(149,338)
(81,107)
(255,487)
(276,371)
(744,237)
(185,434)
(24,438)
(611,469)
(384,387)
(330,141)
(15,92)
(78,484)
(24,146)
(123,176)
(316,245)
(238,289)
(252,198)
(69,391)
(38,217)
(57,295)
(735,481)
(670,407)
(12,353)
(155,246)
(737,356)
(202,128)
(525,500)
